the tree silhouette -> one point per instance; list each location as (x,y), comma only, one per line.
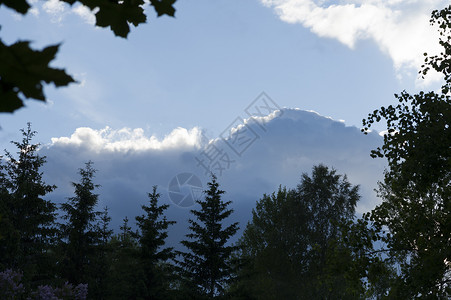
(29,217)
(153,256)
(207,266)
(287,242)
(80,233)
(417,186)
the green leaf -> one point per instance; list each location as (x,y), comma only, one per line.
(119,15)
(163,7)
(23,71)
(9,99)
(20,6)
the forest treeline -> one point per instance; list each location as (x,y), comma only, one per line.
(301,243)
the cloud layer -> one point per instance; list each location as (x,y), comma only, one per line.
(57,10)
(126,139)
(400,28)
(250,159)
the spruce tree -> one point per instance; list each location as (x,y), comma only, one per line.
(8,244)
(104,227)
(207,267)
(125,279)
(153,256)
(100,266)
(9,236)
(28,218)
(80,233)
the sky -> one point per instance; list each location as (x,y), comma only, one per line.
(178,82)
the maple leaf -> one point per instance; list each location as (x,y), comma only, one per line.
(20,6)
(163,7)
(23,71)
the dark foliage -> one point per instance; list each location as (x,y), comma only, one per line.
(153,256)
(82,238)
(207,267)
(288,242)
(415,211)
(27,219)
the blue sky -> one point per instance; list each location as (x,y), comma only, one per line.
(204,67)
(176,77)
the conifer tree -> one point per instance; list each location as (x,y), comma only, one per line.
(126,233)
(9,238)
(80,235)
(207,267)
(100,266)
(29,217)
(125,278)
(153,256)
(104,229)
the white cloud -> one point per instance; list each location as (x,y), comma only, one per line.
(56,9)
(263,119)
(17,16)
(34,11)
(385,132)
(85,13)
(126,139)
(400,28)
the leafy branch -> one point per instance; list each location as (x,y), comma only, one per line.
(23,70)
